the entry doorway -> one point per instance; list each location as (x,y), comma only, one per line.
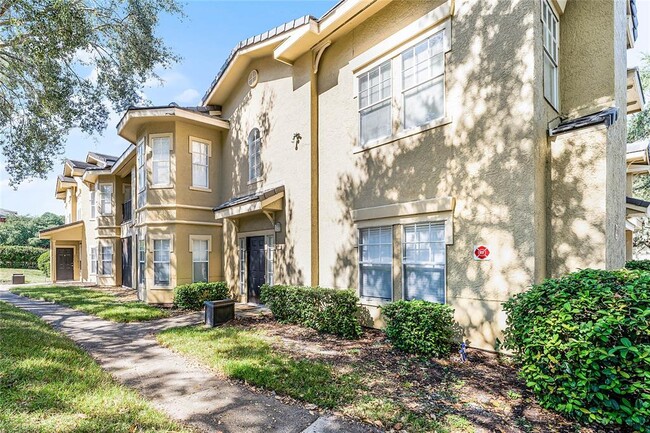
(64,264)
(255,266)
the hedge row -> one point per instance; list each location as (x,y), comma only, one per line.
(43,263)
(641,265)
(583,344)
(192,296)
(19,256)
(332,311)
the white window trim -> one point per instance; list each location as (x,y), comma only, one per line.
(208,143)
(402,249)
(94,269)
(93,203)
(141,165)
(551,5)
(368,300)
(101,195)
(142,240)
(153,257)
(150,140)
(397,115)
(241,240)
(258,178)
(200,238)
(100,259)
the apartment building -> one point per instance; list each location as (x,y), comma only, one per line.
(450,151)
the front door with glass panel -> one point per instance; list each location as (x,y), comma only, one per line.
(256,271)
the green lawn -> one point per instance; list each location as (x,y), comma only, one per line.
(31,275)
(100,304)
(48,384)
(249,355)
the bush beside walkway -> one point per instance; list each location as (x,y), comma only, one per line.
(48,384)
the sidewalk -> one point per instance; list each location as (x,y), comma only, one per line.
(185,390)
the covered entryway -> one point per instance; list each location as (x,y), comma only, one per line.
(127,259)
(64,264)
(255,266)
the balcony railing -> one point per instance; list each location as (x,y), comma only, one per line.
(126,211)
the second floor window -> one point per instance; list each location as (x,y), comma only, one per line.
(375,87)
(200,164)
(141,172)
(93,205)
(551,33)
(254,155)
(161,167)
(423,73)
(106,199)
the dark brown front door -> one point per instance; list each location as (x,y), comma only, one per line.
(64,264)
(126,262)
(255,247)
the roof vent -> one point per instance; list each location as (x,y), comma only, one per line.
(253,78)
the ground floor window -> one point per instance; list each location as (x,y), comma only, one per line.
(424,262)
(269,246)
(375,263)
(200,254)
(93,260)
(107,260)
(161,258)
(141,261)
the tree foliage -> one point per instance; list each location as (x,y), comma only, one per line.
(638,125)
(23,229)
(64,64)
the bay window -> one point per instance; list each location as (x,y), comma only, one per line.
(200,165)
(93,205)
(106,199)
(161,165)
(142,261)
(141,172)
(161,259)
(200,255)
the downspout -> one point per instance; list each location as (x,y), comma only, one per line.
(317,52)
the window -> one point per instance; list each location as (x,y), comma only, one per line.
(142,172)
(242,264)
(161,160)
(200,253)
(142,264)
(93,260)
(424,259)
(93,205)
(254,155)
(375,263)
(423,89)
(551,32)
(107,260)
(375,103)
(200,154)
(106,199)
(161,248)
(269,244)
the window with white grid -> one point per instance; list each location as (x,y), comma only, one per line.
(375,92)
(200,164)
(551,34)
(424,262)
(200,254)
(161,259)
(254,155)
(161,165)
(375,263)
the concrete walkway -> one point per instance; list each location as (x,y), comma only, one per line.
(186,391)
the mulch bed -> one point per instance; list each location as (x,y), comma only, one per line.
(485,390)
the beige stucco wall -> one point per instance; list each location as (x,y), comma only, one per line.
(279,107)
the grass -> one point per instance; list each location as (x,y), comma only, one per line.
(100,304)
(248,355)
(31,275)
(48,384)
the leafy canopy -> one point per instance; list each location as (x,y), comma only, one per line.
(23,229)
(638,125)
(64,64)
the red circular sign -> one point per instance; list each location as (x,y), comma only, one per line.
(481,252)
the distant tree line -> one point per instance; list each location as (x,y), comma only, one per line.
(23,229)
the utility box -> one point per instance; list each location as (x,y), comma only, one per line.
(18,279)
(219,312)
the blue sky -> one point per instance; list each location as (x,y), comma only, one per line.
(204,39)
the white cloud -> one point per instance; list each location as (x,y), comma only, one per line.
(188,97)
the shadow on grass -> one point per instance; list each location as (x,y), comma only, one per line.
(247,356)
(100,304)
(49,384)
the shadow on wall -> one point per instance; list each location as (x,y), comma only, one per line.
(489,158)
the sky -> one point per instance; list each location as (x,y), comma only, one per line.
(203,38)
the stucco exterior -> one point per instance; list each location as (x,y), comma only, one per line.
(501,166)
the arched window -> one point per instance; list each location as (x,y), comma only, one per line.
(254,155)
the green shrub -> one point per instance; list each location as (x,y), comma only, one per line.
(192,296)
(641,265)
(12,256)
(420,327)
(332,311)
(583,344)
(43,263)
